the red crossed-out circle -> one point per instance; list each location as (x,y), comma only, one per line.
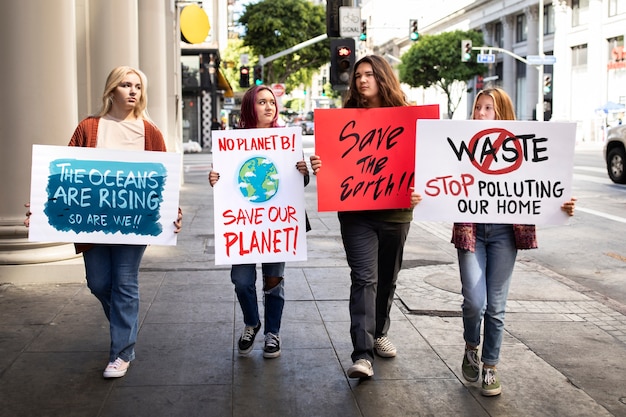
(502,135)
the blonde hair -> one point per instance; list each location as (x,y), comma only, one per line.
(502,104)
(113,81)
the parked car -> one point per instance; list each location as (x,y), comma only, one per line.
(308,127)
(191,147)
(615,154)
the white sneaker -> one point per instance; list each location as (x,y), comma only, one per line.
(362,368)
(383,347)
(116,369)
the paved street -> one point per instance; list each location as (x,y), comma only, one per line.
(564,352)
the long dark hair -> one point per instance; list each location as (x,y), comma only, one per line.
(391,95)
(248,118)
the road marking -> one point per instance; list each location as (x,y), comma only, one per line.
(192,168)
(601,214)
(591,169)
(591,178)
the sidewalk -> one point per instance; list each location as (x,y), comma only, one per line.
(564,352)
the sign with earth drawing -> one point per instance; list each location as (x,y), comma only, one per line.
(93,195)
(259,197)
(481,171)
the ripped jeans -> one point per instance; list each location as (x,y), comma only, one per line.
(244,278)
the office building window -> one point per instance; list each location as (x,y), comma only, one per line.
(580,12)
(498,35)
(579,56)
(548,19)
(617,7)
(616,51)
(521,28)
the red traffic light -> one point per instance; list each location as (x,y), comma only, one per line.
(343,51)
(245,70)
(342,54)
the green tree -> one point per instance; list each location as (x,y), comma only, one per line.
(272,26)
(435,61)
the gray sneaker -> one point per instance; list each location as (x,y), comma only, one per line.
(362,368)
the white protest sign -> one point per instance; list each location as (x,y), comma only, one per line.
(259,198)
(91,195)
(480,171)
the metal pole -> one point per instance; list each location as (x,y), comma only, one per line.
(540,93)
(263,60)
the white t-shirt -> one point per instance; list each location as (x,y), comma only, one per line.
(120,134)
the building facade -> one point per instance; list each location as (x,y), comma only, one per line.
(585,37)
(60,53)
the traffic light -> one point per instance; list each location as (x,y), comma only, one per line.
(258,74)
(466,50)
(363,35)
(244,77)
(547,83)
(341,62)
(413,32)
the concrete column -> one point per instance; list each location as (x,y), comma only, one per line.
(508,62)
(596,57)
(113,40)
(562,80)
(38,81)
(532,75)
(153,60)
(174,88)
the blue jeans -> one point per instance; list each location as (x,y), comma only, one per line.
(113,277)
(244,278)
(485,278)
(374,250)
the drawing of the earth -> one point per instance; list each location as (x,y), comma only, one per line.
(258,179)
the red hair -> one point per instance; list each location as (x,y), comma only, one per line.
(248,118)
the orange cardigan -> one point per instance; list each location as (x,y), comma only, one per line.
(86,135)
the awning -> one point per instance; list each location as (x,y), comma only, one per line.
(223,84)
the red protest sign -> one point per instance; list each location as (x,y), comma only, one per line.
(368,156)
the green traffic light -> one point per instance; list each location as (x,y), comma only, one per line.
(258,82)
(363,37)
(414,36)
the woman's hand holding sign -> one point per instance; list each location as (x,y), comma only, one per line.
(316,163)
(415,198)
(569,206)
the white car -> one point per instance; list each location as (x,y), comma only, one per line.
(191,147)
(615,154)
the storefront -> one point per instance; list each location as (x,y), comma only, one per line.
(204,89)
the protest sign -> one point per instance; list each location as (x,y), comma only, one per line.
(259,198)
(91,195)
(481,171)
(367,156)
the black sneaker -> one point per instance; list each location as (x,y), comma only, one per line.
(246,341)
(272,346)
